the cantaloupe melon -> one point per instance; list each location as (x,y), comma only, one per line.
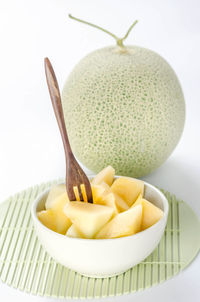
(124,107)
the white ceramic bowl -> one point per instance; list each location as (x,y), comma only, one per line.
(102,257)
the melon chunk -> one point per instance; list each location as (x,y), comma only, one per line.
(151,213)
(74,232)
(103,195)
(98,191)
(54,192)
(88,217)
(47,218)
(105,185)
(121,204)
(138,200)
(110,201)
(106,175)
(123,224)
(62,221)
(56,216)
(128,189)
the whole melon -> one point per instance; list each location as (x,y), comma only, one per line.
(123,107)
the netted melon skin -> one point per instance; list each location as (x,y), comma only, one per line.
(124,109)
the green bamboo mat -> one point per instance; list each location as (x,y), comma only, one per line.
(25,265)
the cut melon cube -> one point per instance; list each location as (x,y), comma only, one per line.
(87,217)
(54,221)
(55,217)
(106,175)
(121,204)
(62,221)
(74,232)
(47,217)
(105,185)
(151,213)
(54,192)
(123,224)
(128,189)
(98,191)
(59,202)
(110,201)
(138,200)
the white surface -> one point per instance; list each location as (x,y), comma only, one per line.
(131,250)
(31,149)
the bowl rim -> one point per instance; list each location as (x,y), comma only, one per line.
(165,215)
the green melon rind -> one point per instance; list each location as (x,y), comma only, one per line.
(124,109)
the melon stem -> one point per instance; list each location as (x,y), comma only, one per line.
(118,40)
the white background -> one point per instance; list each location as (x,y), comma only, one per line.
(30,146)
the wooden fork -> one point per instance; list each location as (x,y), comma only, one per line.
(75,176)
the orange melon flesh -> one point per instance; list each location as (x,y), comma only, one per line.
(128,189)
(151,213)
(123,224)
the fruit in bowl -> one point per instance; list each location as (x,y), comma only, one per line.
(127,216)
(119,209)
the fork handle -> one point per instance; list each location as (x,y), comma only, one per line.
(57,105)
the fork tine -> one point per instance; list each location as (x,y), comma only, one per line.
(80,193)
(76,193)
(84,194)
